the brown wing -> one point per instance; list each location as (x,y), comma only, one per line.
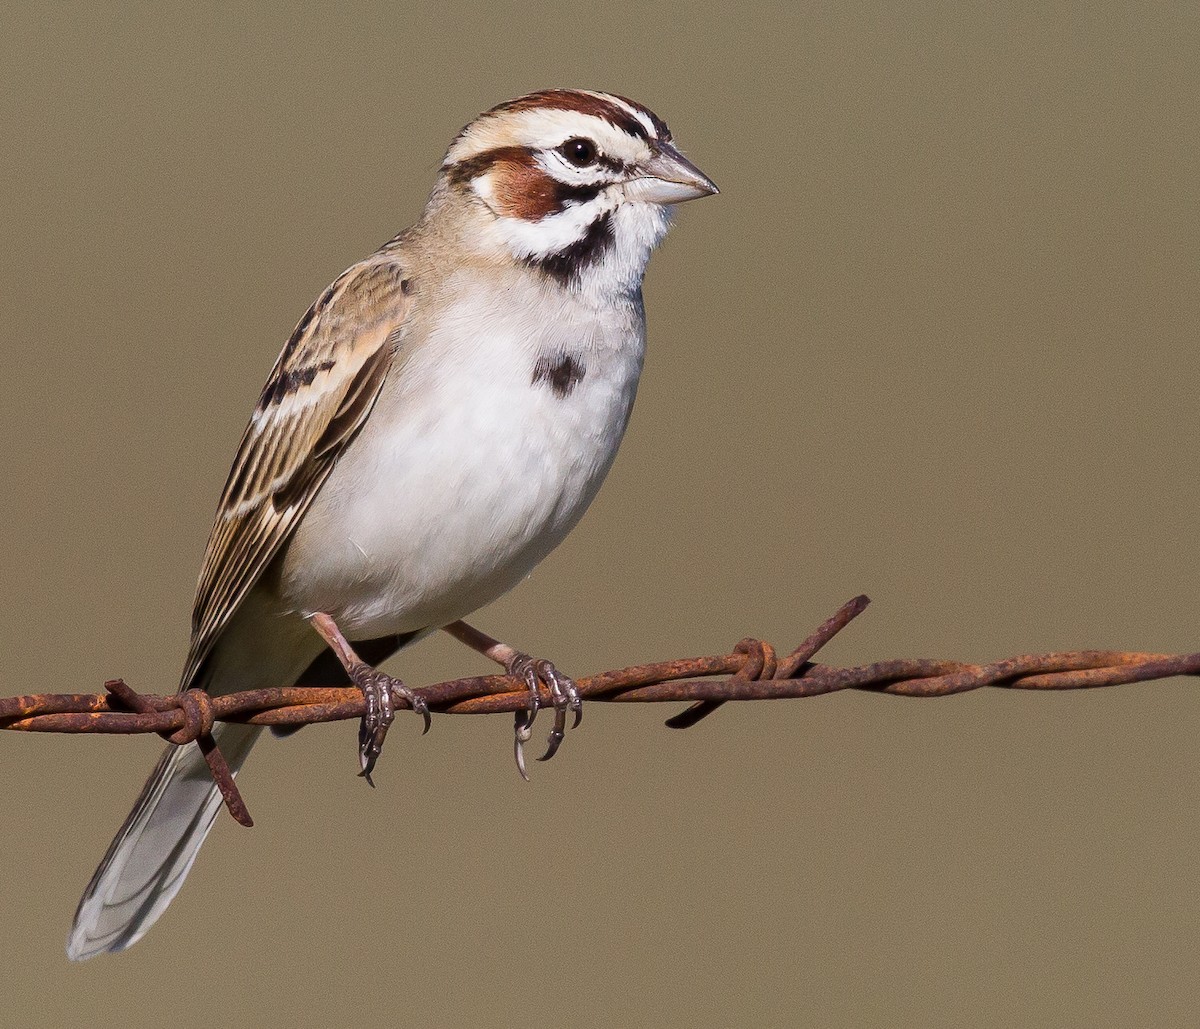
(319,393)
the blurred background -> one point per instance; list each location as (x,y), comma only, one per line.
(934,342)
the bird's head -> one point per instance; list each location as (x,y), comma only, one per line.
(575,183)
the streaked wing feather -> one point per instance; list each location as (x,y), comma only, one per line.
(318,394)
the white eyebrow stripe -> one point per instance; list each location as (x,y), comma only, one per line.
(543,128)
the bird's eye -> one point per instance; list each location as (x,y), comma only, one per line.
(580,152)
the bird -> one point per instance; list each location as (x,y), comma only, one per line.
(439,420)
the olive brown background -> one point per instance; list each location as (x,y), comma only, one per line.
(934,341)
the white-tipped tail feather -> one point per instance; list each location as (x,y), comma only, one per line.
(150,857)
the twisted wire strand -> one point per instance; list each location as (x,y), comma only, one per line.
(751,671)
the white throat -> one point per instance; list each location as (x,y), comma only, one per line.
(601,247)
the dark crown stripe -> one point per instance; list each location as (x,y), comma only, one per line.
(660,126)
(585,103)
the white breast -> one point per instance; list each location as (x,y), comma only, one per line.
(468,472)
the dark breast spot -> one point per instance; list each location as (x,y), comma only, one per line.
(561,372)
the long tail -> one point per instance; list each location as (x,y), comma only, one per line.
(151,855)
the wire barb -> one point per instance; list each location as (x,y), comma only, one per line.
(750,672)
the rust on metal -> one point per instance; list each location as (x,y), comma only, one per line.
(197,709)
(750,672)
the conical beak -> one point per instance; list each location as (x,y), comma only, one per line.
(669,178)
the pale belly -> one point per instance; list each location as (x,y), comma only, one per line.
(466,474)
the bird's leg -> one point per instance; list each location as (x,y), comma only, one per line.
(533,671)
(377,689)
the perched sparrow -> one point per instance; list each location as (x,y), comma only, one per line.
(437,423)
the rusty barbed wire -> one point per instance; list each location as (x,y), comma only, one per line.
(752,669)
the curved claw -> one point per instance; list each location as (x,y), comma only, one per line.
(557,735)
(421,707)
(522,732)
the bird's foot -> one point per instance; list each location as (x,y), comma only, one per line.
(377,688)
(564,697)
(534,672)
